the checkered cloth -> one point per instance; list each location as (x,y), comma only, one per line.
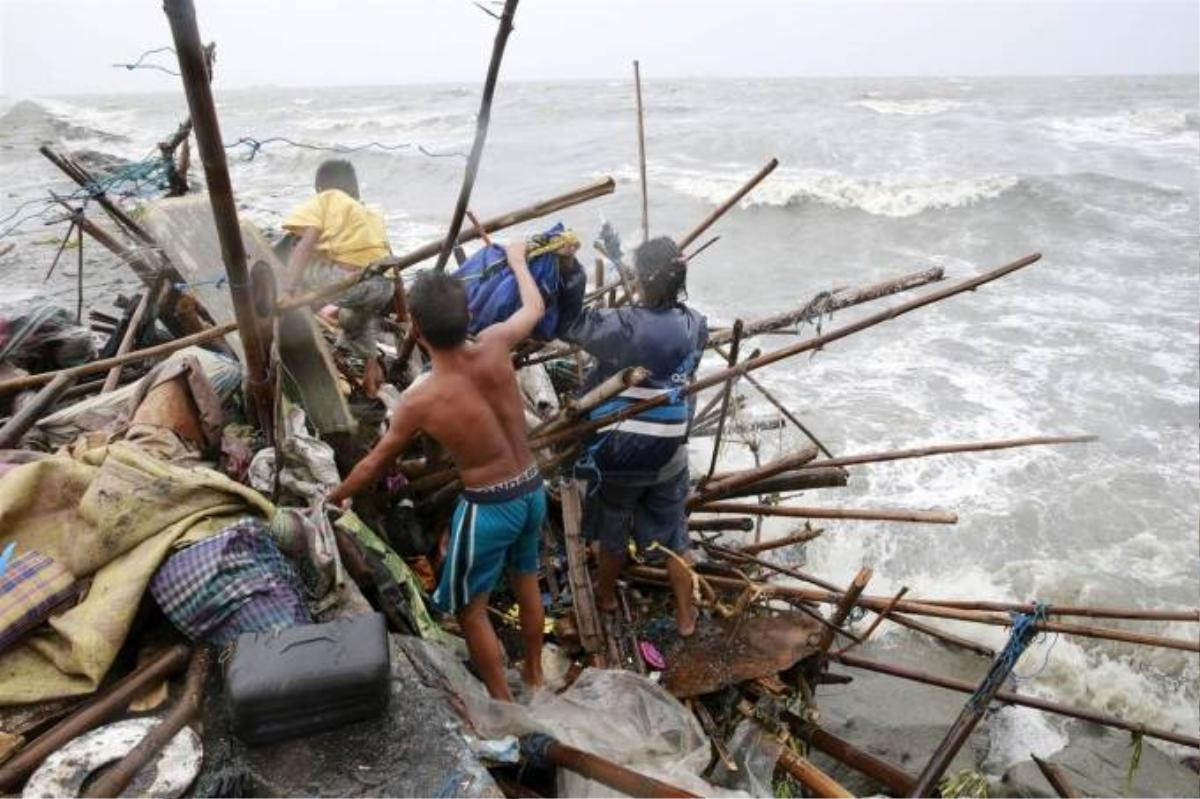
(31,588)
(234,582)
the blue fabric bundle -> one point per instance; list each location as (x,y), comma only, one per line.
(492,293)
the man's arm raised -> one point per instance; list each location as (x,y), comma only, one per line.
(399,433)
(516,328)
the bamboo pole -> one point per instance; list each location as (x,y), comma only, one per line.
(720,525)
(787,414)
(724,207)
(827,303)
(131,335)
(862,514)
(797,348)
(102,707)
(778,543)
(641,135)
(734,346)
(194,74)
(1057,778)
(812,778)
(20,422)
(589,192)
(481,128)
(716,489)
(916,608)
(947,449)
(1013,698)
(1069,610)
(795,480)
(606,772)
(86,181)
(416,256)
(114,780)
(949,639)
(606,390)
(895,779)
(845,604)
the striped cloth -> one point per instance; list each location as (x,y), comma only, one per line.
(234,582)
(31,588)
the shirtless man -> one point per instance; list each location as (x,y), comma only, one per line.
(470,404)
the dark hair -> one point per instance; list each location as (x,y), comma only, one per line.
(661,271)
(337,173)
(438,304)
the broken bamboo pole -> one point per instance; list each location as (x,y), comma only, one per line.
(795,349)
(1057,778)
(828,302)
(916,608)
(743,524)
(794,480)
(606,772)
(481,128)
(574,408)
(860,514)
(778,543)
(717,489)
(131,333)
(641,138)
(87,182)
(845,604)
(194,73)
(724,207)
(111,702)
(894,778)
(973,710)
(1012,698)
(114,780)
(20,422)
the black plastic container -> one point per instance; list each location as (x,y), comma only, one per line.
(308,678)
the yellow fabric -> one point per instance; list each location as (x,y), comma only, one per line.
(351,233)
(111,512)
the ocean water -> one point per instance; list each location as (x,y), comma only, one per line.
(878,177)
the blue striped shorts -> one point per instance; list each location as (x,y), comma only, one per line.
(488,533)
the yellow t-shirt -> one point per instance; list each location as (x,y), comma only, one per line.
(351,233)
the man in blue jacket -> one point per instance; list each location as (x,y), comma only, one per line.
(639,467)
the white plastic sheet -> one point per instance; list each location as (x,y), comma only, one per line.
(618,715)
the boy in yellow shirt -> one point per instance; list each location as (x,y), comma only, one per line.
(337,236)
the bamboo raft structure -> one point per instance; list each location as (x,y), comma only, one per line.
(738,579)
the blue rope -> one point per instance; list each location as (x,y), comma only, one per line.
(1024,630)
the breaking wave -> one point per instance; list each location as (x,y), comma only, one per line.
(892,197)
(1170,126)
(909,108)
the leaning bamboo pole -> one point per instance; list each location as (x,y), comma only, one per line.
(194,73)
(917,608)
(1013,698)
(721,209)
(423,253)
(807,345)
(481,127)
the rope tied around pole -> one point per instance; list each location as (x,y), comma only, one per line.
(1024,630)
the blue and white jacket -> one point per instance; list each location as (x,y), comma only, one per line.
(666,341)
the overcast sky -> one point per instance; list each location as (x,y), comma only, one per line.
(60,47)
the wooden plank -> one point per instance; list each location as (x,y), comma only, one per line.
(583,602)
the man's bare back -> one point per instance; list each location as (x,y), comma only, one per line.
(472,406)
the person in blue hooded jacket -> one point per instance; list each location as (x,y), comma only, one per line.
(639,467)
